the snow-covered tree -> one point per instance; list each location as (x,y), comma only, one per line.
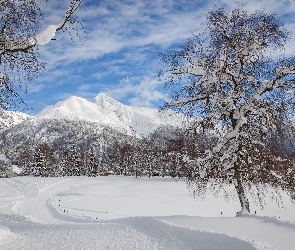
(25,159)
(47,152)
(233,78)
(38,164)
(20,35)
(5,167)
(83,158)
(63,167)
(91,163)
(74,162)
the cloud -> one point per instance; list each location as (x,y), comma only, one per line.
(120,42)
(112,26)
(144,91)
(35,88)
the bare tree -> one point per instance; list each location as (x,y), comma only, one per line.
(20,36)
(231,77)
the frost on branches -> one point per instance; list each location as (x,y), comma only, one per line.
(20,36)
(230,78)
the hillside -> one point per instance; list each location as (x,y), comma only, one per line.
(11,118)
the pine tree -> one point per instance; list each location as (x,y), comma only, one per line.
(38,164)
(74,162)
(47,152)
(83,158)
(63,169)
(91,163)
(25,159)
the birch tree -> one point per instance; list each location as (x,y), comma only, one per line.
(232,77)
(20,36)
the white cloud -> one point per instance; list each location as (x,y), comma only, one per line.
(123,38)
(35,88)
(138,91)
(114,25)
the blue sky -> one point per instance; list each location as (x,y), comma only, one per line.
(118,52)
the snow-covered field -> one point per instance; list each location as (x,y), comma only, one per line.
(118,212)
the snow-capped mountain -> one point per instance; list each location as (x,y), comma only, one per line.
(107,111)
(10,118)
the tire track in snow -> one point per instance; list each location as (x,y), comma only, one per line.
(176,238)
(136,233)
(78,236)
(36,207)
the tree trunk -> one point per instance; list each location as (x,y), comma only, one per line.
(240,190)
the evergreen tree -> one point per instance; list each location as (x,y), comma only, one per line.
(25,159)
(63,169)
(83,158)
(47,153)
(91,163)
(38,164)
(74,162)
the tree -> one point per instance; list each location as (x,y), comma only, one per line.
(25,158)
(47,153)
(38,164)
(63,169)
(20,36)
(232,77)
(74,162)
(91,163)
(5,167)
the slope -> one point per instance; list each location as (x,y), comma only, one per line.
(10,118)
(141,214)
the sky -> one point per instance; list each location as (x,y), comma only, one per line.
(118,44)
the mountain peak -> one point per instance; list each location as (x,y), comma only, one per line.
(103,96)
(105,110)
(106,102)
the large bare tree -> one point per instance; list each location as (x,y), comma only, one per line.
(232,77)
(20,36)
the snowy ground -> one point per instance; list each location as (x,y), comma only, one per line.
(127,213)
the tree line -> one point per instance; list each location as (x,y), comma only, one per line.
(147,156)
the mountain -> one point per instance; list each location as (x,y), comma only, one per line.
(103,124)
(10,118)
(107,111)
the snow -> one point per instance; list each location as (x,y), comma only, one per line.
(107,111)
(45,36)
(10,118)
(198,72)
(16,169)
(243,212)
(117,212)
(3,158)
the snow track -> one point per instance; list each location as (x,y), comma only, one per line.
(31,198)
(81,236)
(176,238)
(121,213)
(130,233)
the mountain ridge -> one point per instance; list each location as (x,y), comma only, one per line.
(104,110)
(11,118)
